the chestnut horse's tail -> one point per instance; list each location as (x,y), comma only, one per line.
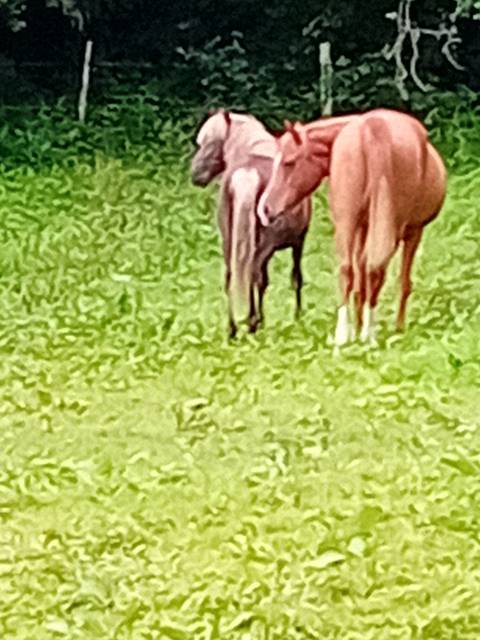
(244,186)
(381,235)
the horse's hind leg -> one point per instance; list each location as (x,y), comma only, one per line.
(360,296)
(381,243)
(262,287)
(375,279)
(344,237)
(360,285)
(410,246)
(297,277)
(232,327)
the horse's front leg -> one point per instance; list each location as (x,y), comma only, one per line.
(297,277)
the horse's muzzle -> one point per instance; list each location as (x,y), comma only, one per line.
(266,215)
(202,173)
(200,179)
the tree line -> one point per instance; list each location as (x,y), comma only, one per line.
(227,50)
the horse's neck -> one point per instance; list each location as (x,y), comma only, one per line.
(247,139)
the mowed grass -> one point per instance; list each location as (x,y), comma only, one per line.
(159,482)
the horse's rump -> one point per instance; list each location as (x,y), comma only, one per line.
(384,163)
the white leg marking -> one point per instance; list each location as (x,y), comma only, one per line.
(365,323)
(353,332)
(342,332)
(368,333)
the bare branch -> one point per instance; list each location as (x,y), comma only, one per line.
(414,33)
(414,38)
(401,73)
(448,54)
(404,28)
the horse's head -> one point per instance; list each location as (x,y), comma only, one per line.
(301,163)
(208,161)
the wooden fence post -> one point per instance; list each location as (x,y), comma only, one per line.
(82,100)
(326,79)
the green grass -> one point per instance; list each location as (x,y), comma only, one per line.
(158,482)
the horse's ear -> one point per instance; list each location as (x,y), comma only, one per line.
(228,117)
(290,127)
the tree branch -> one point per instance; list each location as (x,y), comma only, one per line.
(404,28)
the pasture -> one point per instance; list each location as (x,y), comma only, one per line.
(159,482)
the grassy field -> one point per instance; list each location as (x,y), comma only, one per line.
(157,482)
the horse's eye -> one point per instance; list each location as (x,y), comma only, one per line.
(288,163)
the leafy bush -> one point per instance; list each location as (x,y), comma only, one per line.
(223,74)
(45,135)
(128,118)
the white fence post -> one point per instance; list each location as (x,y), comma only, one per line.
(82,100)
(326,79)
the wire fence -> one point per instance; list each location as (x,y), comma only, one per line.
(25,80)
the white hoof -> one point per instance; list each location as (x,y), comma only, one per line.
(368,333)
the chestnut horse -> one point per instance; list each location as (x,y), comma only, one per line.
(239,148)
(387,182)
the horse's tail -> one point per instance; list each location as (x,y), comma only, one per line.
(381,234)
(244,186)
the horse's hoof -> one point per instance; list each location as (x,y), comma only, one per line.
(253,326)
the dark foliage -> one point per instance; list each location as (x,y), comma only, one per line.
(229,51)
